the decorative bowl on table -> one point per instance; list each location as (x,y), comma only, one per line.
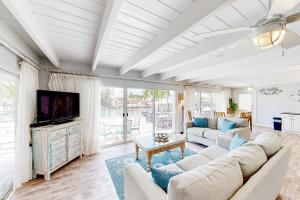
(161,137)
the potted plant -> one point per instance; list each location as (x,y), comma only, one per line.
(232,106)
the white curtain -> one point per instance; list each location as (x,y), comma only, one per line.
(89,90)
(26,112)
(189,103)
(190,100)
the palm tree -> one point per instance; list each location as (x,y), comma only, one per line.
(159,94)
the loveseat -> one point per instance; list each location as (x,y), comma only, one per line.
(254,171)
(207,136)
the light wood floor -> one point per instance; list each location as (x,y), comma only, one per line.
(88,178)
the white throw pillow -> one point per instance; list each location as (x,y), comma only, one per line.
(250,156)
(270,142)
(220,122)
(218,180)
(212,122)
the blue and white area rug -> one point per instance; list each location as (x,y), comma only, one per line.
(116,166)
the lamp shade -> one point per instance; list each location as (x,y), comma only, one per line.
(269,39)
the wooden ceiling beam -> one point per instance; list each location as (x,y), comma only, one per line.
(199,11)
(23,14)
(207,46)
(191,70)
(265,63)
(110,14)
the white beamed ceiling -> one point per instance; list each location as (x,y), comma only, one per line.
(12,23)
(73,28)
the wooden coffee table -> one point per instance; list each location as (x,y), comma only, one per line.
(147,144)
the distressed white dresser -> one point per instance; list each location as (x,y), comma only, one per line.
(54,146)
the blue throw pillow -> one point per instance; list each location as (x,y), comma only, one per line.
(200,122)
(236,142)
(162,176)
(228,125)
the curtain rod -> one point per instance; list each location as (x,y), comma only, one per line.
(18,53)
(115,77)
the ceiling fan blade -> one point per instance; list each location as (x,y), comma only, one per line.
(223,31)
(282,7)
(291,39)
(293,18)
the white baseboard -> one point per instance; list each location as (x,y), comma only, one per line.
(264,125)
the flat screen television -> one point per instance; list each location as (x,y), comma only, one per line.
(55,106)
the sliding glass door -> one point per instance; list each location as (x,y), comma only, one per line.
(127,113)
(140,112)
(164,111)
(7,130)
(112,119)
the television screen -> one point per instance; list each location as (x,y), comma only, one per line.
(57,106)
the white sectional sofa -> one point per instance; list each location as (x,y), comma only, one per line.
(207,136)
(254,171)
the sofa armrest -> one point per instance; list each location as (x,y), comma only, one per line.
(139,185)
(224,141)
(244,132)
(189,125)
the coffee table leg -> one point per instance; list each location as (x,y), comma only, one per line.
(149,157)
(182,147)
(137,151)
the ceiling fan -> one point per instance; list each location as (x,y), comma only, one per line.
(272,30)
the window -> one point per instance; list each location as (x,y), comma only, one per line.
(7,130)
(208,103)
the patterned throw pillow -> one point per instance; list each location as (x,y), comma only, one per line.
(161,176)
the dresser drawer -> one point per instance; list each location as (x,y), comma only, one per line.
(74,129)
(57,133)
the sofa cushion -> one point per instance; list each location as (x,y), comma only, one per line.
(192,162)
(250,156)
(218,180)
(240,122)
(270,142)
(228,125)
(200,122)
(162,175)
(236,142)
(212,134)
(220,122)
(212,122)
(213,152)
(196,131)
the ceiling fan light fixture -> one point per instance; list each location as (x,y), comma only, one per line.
(269,39)
(269,35)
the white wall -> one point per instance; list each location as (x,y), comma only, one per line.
(9,61)
(269,106)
